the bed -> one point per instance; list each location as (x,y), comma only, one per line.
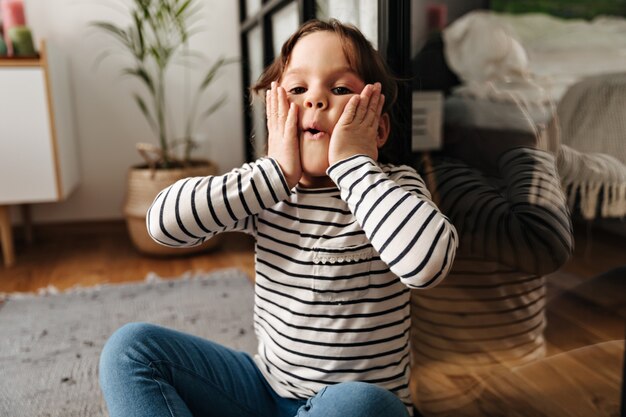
(562,78)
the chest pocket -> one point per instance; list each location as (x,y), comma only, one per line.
(341,274)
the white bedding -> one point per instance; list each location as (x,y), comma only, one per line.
(536,57)
(532,64)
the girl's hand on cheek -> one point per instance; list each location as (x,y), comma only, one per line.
(357,128)
(282,126)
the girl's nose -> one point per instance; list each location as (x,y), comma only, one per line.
(315,101)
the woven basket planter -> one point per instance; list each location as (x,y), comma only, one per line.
(143,186)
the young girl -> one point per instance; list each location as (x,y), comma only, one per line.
(340,239)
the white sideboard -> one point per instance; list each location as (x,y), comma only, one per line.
(38,153)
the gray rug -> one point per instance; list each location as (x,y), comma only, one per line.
(50,344)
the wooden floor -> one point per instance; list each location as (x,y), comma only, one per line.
(585,313)
(86,254)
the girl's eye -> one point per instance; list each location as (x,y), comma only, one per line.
(341,91)
(297,90)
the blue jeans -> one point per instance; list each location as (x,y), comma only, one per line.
(147,370)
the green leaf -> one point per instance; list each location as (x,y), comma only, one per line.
(182,8)
(214,107)
(194,31)
(144,7)
(212,72)
(119,34)
(185,53)
(140,50)
(191,59)
(101,57)
(143,75)
(157,55)
(146,112)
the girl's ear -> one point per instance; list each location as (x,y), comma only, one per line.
(384,127)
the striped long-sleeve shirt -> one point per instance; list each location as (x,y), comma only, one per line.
(490,311)
(333,265)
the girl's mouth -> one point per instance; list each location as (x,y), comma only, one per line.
(313,134)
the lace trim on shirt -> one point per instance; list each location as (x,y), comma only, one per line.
(333,258)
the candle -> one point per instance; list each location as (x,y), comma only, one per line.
(12,15)
(437,16)
(22,41)
(3,47)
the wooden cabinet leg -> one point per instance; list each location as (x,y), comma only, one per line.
(6,236)
(27,223)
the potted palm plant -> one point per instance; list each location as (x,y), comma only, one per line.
(156,38)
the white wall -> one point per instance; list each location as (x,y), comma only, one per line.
(107,121)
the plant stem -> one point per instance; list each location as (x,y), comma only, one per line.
(187,134)
(161,117)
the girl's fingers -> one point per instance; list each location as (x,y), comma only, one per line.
(379,112)
(372,108)
(268,109)
(278,110)
(361,111)
(291,127)
(274,102)
(349,112)
(282,107)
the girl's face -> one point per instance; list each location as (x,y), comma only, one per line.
(320,82)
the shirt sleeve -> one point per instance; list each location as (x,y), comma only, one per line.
(520,220)
(394,209)
(193,210)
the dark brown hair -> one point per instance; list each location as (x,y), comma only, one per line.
(363,59)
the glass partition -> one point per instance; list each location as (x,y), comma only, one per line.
(361,13)
(255,54)
(252,7)
(518,128)
(284,23)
